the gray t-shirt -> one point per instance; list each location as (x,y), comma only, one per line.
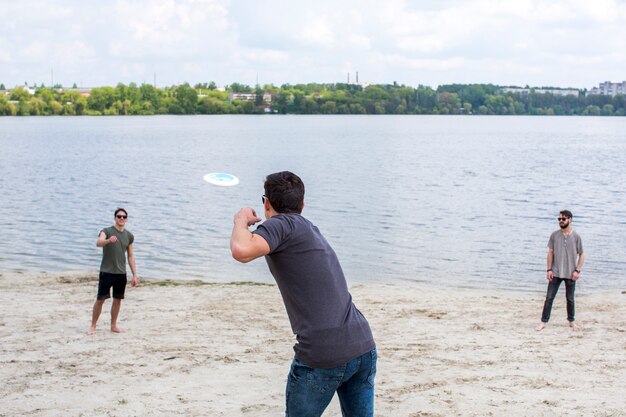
(329,329)
(566,251)
(114,254)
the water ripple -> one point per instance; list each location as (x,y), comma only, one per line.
(401,199)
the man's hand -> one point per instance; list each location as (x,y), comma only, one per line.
(112,239)
(575,276)
(549,276)
(135,281)
(246,216)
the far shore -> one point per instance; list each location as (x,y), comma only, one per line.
(192,348)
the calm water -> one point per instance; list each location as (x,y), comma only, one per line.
(460,201)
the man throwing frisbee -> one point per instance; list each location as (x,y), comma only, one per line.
(335,349)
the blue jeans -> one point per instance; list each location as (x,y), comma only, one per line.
(309,390)
(553,288)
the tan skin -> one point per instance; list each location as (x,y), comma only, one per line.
(120,224)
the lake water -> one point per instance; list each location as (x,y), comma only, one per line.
(455,201)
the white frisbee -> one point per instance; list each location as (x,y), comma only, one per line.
(222,179)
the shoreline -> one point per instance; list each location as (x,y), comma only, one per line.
(195,348)
(540,289)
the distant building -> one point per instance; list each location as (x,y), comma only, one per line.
(85,92)
(25,87)
(609,89)
(553,91)
(267,97)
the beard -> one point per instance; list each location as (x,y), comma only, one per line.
(564,225)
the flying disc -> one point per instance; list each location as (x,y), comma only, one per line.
(221,178)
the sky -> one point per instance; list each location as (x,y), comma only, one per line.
(91,43)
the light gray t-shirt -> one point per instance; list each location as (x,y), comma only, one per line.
(329,329)
(114,254)
(566,251)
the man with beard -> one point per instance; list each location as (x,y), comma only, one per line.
(565,261)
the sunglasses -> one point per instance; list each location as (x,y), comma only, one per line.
(263,198)
(562,219)
(121,216)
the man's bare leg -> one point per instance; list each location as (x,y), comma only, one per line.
(540,327)
(115,312)
(97,309)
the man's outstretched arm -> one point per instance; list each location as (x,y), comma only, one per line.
(246,246)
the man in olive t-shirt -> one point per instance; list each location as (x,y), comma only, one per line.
(116,242)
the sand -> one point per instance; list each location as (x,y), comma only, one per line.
(224,350)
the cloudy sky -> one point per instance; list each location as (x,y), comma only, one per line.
(561,43)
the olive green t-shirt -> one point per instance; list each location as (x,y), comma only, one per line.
(114,254)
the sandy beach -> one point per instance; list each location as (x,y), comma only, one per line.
(192,349)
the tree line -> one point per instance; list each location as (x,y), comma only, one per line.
(313,98)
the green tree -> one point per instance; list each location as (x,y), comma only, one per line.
(378,108)
(212,105)
(37,106)
(243,107)
(608,110)
(258,101)
(281,102)
(357,108)
(329,107)
(45,94)
(426,99)
(130,92)
(56,108)
(23,108)
(309,106)
(6,108)
(375,92)
(102,98)
(240,88)
(150,94)
(19,94)
(592,110)
(187,99)
(448,103)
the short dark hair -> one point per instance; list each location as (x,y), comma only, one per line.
(118,210)
(285,191)
(566,213)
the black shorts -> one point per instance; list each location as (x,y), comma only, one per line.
(117,281)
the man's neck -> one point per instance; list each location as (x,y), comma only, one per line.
(567,230)
(119,228)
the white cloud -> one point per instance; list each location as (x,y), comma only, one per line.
(569,42)
(169,29)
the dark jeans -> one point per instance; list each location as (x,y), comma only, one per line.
(309,390)
(553,288)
